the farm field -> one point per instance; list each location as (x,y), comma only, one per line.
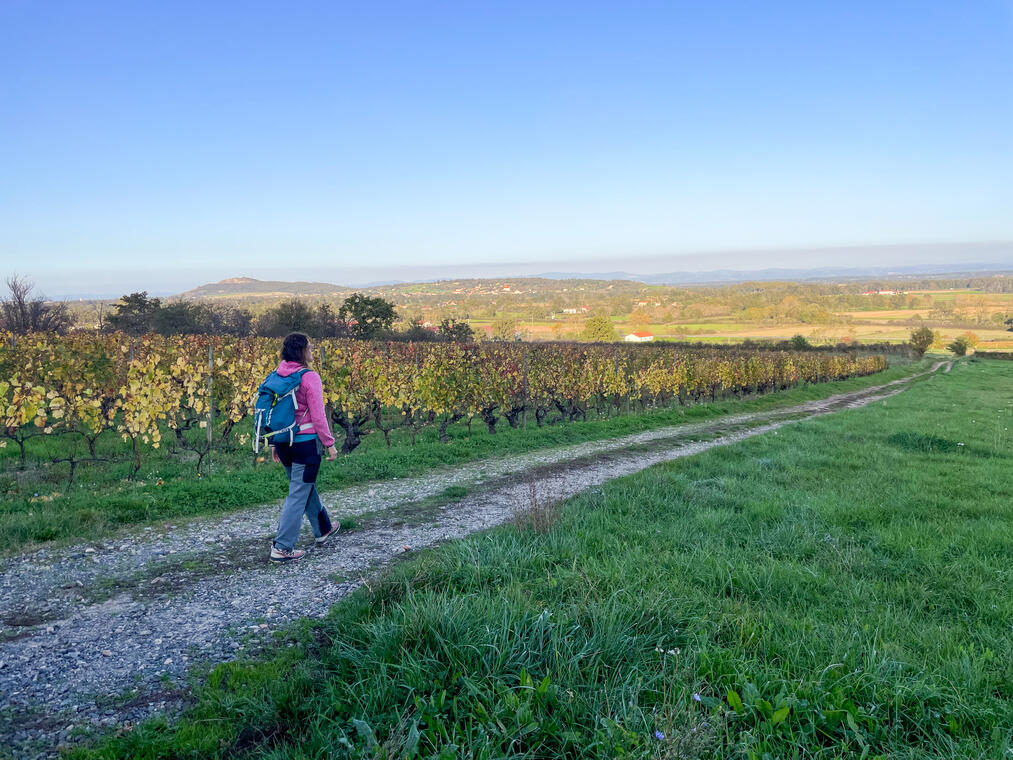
(891,326)
(866,326)
(952,294)
(869,331)
(833,588)
(863,323)
(872,325)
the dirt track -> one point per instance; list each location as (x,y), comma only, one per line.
(105,634)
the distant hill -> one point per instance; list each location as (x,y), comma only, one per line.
(253,290)
(821,274)
(248,286)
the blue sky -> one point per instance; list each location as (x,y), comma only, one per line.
(145,143)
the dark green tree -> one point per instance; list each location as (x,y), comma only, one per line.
(228,320)
(459,332)
(180,318)
(134,314)
(366,316)
(417,333)
(288,316)
(799,343)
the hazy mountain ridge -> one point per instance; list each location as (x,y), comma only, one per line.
(251,287)
(774,274)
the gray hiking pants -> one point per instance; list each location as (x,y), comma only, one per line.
(302,462)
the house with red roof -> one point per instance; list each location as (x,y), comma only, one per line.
(641,336)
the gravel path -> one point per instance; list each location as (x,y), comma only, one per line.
(104,634)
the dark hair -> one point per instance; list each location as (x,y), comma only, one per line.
(294,348)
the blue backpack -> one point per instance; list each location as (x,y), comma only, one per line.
(274,412)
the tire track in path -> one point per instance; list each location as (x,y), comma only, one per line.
(104,634)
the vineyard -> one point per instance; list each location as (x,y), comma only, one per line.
(113,399)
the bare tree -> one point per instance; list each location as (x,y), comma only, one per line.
(22,313)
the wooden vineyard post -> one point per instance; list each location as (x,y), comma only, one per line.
(629,394)
(618,410)
(323,356)
(211,405)
(415,414)
(524,394)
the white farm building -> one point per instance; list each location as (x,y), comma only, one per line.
(639,337)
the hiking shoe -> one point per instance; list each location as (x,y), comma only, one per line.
(286,555)
(323,539)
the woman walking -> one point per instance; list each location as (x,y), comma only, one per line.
(303,455)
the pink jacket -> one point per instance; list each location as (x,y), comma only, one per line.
(310,398)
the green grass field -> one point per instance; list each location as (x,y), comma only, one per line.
(103,499)
(838,589)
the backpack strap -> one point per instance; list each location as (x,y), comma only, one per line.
(298,373)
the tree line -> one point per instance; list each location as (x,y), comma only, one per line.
(360,316)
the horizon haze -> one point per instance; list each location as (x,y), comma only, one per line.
(716,266)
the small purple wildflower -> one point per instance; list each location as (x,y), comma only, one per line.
(659,736)
(696,696)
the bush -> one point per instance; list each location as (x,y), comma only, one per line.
(959,346)
(921,339)
(799,343)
